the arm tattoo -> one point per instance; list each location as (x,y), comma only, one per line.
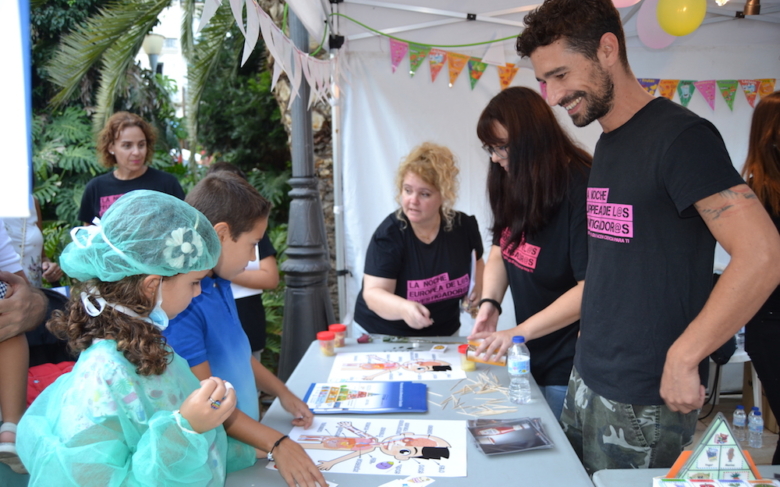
(728,194)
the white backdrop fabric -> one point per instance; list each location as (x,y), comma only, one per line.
(385,114)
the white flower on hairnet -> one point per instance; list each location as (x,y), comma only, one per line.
(183,247)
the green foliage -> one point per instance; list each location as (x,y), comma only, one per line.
(273,302)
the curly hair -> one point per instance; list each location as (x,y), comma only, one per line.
(114,127)
(580,23)
(141,342)
(435,165)
(762,166)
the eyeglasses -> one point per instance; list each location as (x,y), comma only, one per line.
(501,151)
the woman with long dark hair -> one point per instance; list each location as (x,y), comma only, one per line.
(537,187)
(762,173)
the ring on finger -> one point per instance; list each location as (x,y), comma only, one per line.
(214,403)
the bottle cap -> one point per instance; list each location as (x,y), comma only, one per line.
(326,335)
(758,413)
(740,406)
(518,339)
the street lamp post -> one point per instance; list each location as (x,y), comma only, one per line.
(153,44)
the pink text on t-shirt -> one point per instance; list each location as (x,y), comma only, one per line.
(523,256)
(107,201)
(608,218)
(437,288)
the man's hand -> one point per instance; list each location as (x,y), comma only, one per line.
(681,388)
(23,308)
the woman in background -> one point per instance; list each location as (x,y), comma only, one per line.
(537,185)
(762,173)
(420,258)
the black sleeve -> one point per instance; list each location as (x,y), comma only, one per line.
(384,257)
(87,211)
(578,229)
(265,248)
(176,188)
(475,238)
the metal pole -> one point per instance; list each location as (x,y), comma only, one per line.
(338,196)
(307,306)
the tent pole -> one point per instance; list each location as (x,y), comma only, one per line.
(338,196)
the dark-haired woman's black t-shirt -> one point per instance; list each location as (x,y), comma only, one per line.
(436,275)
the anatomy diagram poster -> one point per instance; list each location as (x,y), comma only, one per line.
(375,446)
(397,366)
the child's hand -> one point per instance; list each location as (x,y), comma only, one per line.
(210,405)
(296,467)
(302,415)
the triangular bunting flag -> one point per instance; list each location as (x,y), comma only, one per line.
(668,86)
(685,91)
(436,58)
(543,89)
(456,62)
(398,51)
(728,88)
(750,87)
(495,55)
(506,74)
(649,84)
(766,87)
(417,54)
(476,68)
(707,90)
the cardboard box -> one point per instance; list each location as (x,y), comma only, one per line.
(770,421)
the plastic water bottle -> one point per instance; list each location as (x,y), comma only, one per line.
(739,423)
(518,362)
(756,427)
(751,415)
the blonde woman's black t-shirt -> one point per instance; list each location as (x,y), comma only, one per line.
(436,275)
(650,254)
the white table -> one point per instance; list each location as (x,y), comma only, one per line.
(644,477)
(556,467)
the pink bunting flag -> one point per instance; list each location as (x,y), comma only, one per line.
(707,90)
(750,88)
(456,63)
(766,87)
(543,89)
(506,74)
(649,84)
(436,58)
(398,52)
(728,88)
(476,68)
(685,91)
(417,54)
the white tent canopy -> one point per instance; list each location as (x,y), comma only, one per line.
(384,114)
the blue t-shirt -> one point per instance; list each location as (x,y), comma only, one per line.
(209,330)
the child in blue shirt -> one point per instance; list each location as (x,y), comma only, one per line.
(208,334)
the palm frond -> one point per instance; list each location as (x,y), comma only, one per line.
(121,22)
(204,60)
(187,34)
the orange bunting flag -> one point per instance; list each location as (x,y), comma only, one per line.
(766,87)
(398,52)
(506,74)
(750,88)
(456,63)
(437,58)
(668,87)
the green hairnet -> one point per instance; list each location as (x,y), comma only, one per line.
(143,232)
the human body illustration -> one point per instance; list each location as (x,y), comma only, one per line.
(383,366)
(402,447)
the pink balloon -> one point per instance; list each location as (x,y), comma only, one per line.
(650,32)
(624,3)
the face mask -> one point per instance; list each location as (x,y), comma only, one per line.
(157,317)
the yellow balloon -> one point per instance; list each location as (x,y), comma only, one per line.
(680,17)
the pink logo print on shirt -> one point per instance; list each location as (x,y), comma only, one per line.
(437,288)
(524,256)
(106,202)
(609,220)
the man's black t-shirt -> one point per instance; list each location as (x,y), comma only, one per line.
(650,255)
(103,190)
(543,268)
(436,275)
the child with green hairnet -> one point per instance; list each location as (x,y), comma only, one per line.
(208,334)
(131,412)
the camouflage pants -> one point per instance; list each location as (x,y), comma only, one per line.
(609,434)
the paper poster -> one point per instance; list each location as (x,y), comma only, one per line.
(668,86)
(728,88)
(506,74)
(707,90)
(476,68)
(370,445)
(718,456)
(649,84)
(397,366)
(766,87)
(436,58)
(398,52)
(417,54)
(750,87)
(456,62)
(685,91)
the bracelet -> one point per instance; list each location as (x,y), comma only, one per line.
(270,455)
(495,303)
